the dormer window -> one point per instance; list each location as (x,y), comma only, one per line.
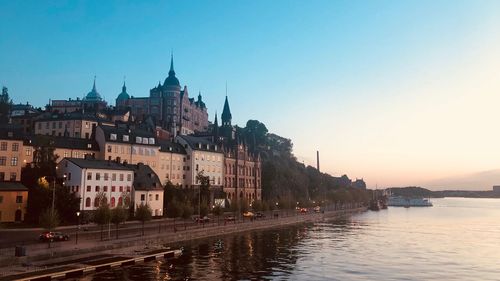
(89,145)
(112,136)
(125,138)
(145,141)
(151,140)
(10,134)
(138,139)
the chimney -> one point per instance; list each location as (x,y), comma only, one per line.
(317,159)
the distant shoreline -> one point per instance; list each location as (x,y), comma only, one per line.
(414,191)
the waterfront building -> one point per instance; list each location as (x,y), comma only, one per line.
(359,183)
(91,178)
(173,165)
(242,168)
(13,154)
(203,155)
(63,147)
(169,105)
(13,201)
(130,144)
(147,189)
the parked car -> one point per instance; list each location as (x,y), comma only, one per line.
(248,214)
(53,236)
(259,215)
(303,210)
(205,219)
(229,218)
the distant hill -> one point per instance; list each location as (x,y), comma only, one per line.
(413,191)
(483,180)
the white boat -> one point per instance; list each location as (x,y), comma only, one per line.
(398,201)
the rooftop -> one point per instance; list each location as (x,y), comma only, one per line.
(12,186)
(98,164)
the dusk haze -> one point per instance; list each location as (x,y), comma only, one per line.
(249,140)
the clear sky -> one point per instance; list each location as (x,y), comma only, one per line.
(396,92)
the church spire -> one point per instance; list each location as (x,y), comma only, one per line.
(171,72)
(226,114)
(93,87)
(216,127)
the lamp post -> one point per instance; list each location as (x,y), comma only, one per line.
(78,227)
(277,211)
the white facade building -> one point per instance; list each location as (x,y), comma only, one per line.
(90,177)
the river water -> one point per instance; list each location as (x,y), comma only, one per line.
(457,239)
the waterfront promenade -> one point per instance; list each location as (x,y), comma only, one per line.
(39,256)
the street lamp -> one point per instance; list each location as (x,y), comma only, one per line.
(78,227)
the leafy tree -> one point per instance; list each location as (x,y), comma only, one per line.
(118,216)
(49,220)
(5,105)
(217,211)
(174,210)
(143,213)
(102,216)
(187,212)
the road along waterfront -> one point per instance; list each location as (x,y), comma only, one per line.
(38,254)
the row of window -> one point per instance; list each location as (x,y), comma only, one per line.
(97,188)
(208,157)
(13,176)
(88,201)
(143,197)
(228,182)
(106,176)
(3,146)
(59,124)
(13,161)
(19,199)
(242,170)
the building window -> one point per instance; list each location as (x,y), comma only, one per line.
(3,146)
(121,188)
(157,197)
(128,188)
(106,176)
(1,199)
(88,188)
(13,176)
(3,160)
(112,202)
(19,199)
(87,202)
(66,154)
(28,151)
(143,197)
(150,197)
(13,161)
(109,148)
(113,177)
(113,188)
(105,188)
(97,188)
(129,177)
(15,147)
(121,177)
(97,176)
(89,175)
(120,201)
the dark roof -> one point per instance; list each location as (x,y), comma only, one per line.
(131,132)
(145,178)
(63,142)
(12,186)
(226,112)
(200,143)
(171,80)
(98,164)
(11,132)
(168,146)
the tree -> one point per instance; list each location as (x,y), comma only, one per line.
(118,216)
(217,211)
(174,210)
(187,212)
(49,220)
(102,216)
(143,214)
(5,105)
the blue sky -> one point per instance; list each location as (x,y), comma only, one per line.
(391,91)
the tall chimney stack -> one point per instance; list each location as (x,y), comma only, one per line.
(317,159)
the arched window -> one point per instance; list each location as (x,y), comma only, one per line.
(120,201)
(87,202)
(96,202)
(112,202)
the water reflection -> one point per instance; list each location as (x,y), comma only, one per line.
(457,239)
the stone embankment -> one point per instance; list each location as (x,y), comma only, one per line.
(39,252)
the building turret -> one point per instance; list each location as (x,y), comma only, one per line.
(123,95)
(171,80)
(226,114)
(93,95)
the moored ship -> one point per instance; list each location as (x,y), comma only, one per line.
(398,201)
